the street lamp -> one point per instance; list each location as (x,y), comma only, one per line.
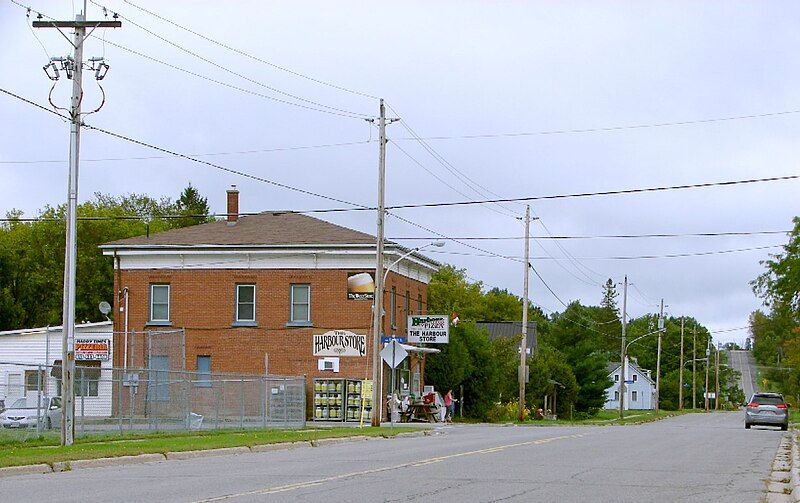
(377,387)
(622,367)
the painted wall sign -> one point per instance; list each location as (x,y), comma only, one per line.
(432,328)
(92,349)
(360,286)
(340,343)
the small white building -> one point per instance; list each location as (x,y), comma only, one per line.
(30,363)
(639,387)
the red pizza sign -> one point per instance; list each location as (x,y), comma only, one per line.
(92,349)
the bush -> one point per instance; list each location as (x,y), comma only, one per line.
(504,412)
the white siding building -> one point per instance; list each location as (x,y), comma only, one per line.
(639,387)
(30,362)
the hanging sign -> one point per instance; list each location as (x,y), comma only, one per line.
(92,349)
(340,343)
(432,328)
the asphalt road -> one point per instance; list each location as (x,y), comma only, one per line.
(696,457)
(744,363)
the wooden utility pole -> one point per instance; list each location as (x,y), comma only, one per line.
(708,361)
(622,351)
(716,387)
(73,67)
(523,347)
(694,367)
(377,313)
(680,373)
(661,326)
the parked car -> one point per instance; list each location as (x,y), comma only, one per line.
(23,413)
(767,409)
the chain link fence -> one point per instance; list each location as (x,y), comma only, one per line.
(147,399)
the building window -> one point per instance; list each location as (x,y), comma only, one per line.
(246,304)
(159,303)
(300,305)
(203,372)
(634,396)
(34,381)
(635,378)
(616,395)
(616,377)
(419,304)
(393,307)
(86,379)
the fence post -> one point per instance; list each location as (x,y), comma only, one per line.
(285,404)
(84,390)
(119,396)
(216,402)
(38,399)
(263,392)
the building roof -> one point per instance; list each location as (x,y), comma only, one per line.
(613,366)
(264,229)
(78,326)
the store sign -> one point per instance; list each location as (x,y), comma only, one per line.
(360,286)
(92,349)
(340,343)
(434,329)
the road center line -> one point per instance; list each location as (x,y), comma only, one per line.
(410,464)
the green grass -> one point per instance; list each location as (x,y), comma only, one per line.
(609,417)
(45,449)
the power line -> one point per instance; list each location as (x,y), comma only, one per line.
(604,236)
(624,257)
(248,55)
(209,154)
(605,129)
(234,72)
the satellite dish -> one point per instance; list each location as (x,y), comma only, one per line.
(105,308)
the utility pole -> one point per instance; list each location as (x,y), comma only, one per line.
(708,361)
(622,351)
(694,367)
(716,387)
(658,357)
(680,373)
(377,315)
(73,67)
(523,348)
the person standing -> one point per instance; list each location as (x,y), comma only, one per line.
(449,404)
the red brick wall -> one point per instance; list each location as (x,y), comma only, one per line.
(203,302)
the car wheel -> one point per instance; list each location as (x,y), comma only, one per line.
(746,426)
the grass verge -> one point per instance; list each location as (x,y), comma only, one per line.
(609,417)
(46,449)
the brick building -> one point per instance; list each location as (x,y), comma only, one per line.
(251,292)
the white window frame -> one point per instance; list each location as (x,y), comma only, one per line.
(635,378)
(237,302)
(203,378)
(634,396)
(616,377)
(292,319)
(153,286)
(616,396)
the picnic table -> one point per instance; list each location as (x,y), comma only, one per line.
(419,411)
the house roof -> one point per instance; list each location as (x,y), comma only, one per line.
(264,229)
(613,366)
(78,326)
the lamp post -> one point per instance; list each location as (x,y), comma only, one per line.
(622,365)
(377,387)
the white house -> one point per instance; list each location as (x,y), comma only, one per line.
(30,363)
(639,387)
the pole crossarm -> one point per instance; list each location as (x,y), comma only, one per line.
(77,24)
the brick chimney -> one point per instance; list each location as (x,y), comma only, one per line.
(233,205)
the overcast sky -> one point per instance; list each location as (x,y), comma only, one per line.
(450,69)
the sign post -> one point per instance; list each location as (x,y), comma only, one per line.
(393,354)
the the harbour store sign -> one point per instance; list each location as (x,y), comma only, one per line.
(433,329)
(340,343)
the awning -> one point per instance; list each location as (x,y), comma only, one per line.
(416,349)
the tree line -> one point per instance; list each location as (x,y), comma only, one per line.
(32,253)
(572,358)
(775,331)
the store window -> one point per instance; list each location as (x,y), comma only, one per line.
(300,305)
(159,304)
(419,303)
(246,304)
(203,379)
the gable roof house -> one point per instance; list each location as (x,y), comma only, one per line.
(255,293)
(639,387)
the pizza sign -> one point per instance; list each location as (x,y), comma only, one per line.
(92,349)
